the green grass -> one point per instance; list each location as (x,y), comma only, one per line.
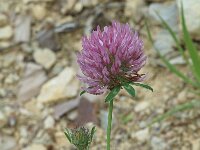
(181,107)
(192,60)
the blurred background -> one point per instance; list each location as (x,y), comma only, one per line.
(39,90)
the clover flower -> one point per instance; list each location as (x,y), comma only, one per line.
(110,57)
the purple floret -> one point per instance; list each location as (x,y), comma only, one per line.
(110,56)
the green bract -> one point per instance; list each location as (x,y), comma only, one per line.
(80,137)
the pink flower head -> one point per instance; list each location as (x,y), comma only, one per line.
(110,56)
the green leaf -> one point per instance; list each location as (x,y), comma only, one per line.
(182,107)
(191,47)
(92,132)
(129,89)
(112,93)
(143,85)
(171,67)
(82,92)
(68,134)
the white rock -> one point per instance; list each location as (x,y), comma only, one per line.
(6,32)
(7,142)
(22,28)
(49,122)
(192,15)
(78,7)
(11,78)
(72,115)
(141,135)
(177,60)
(88,3)
(104,119)
(9,59)
(195,144)
(133,7)
(59,87)
(66,7)
(3,93)
(45,57)
(39,12)
(35,147)
(23,132)
(4,44)
(141,106)
(168,11)
(164,42)
(158,143)
(3,20)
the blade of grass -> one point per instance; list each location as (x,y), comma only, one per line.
(68,134)
(173,35)
(182,107)
(191,47)
(171,67)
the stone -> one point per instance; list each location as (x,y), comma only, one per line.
(64,20)
(4,44)
(72,115)
(158,143)
(177,60)
(11,78)
(47,38)
(192,15)
(68,5)
(23,132)
(3,119)
(133,8)
(9,59)
(3,93)
(65,107)
(124,145)
(104,119)
(33,78)
(61,141)
(3,20)
(27,48)
(78,7)
(89,3)
(49,122)
(141,135)
(86,112)
(39,12)
(29,1)
(22,28)
(60,87)
(195,144)
(141,106)
(35,147)
(45,57)
(6,33)
(7,143)
(164,42)
(168,11)
(43,137)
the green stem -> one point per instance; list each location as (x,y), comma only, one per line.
(109,123)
